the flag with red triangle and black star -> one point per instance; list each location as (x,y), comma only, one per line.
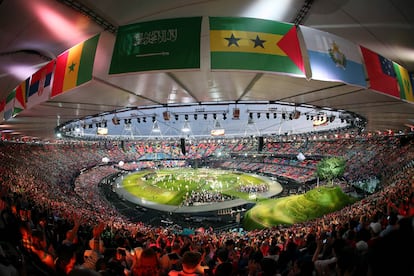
(256,45)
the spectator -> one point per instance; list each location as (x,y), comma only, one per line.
(6,267)
(190,265)
(223,263)
(148,264)
(65,260)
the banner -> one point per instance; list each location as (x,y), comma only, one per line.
(40,85)
(8,109)
(255,44)
(2,107)
(21,92)
(380,72)
(404,83)
(333,58)
(74,67)
(157,45)
(412,78)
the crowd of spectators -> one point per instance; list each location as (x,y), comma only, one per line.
(58,221)
(204,197)
(260,188)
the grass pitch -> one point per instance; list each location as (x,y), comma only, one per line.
(170,186)
(296,208)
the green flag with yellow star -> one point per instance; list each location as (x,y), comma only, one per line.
(255,45)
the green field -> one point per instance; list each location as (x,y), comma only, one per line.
(170,186)
(296,208)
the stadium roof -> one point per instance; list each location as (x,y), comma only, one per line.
(35,32)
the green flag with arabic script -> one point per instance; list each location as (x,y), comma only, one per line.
(157,45)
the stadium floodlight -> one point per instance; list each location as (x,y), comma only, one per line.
(217,129)
(155,127)
(186,127)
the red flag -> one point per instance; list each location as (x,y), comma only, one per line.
(2,108)
(381,73)
(2,105)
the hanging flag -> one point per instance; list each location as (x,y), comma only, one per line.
(333,58)
(255,44)
(157,45)
(40,85)
(21,92)
(74,67)
(380,72)
(8,110)
(2,107)
(404,83)
(412,78)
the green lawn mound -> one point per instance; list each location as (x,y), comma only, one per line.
(170,186)
(296,208)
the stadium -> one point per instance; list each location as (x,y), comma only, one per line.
(259,143)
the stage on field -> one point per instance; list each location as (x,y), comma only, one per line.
(205,179)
